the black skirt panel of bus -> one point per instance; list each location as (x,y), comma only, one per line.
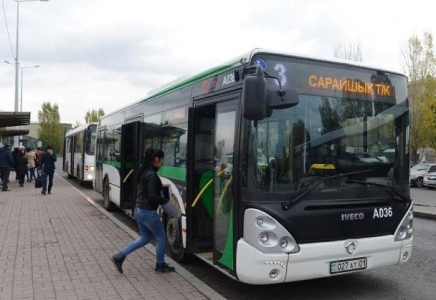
(314,220)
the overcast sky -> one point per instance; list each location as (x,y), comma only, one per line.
(106,54)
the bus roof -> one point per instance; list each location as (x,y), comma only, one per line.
(243,59)
(185,81)
(188,80)
(79,129)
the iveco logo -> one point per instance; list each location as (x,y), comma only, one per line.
(356,216)
(350,247)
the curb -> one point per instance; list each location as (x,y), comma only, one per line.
(188,276)
(424,215)
(423,211)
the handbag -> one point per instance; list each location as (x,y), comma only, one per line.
(38,180)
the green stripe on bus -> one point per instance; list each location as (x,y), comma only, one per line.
(115,164)
(173,172)
(207,197)
(194,79)
(228,257)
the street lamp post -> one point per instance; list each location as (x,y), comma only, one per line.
(17,62)
(21,93)
(21,102)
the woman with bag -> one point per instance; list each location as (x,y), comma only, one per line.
(149,198)
(31,157)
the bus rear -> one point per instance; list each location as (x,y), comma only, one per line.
(320,195)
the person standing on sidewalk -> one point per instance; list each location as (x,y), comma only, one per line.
(31,157)
(39,156)
(6,163)
(149,198)
(20,166)
(48,167)
(14,157)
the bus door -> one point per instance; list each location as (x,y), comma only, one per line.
(131,153)
(210,177)
(99,158)
(73,143)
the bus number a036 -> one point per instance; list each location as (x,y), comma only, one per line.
(382,212)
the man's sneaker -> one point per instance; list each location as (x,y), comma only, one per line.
(118,260)
(164,268)
(49,192)
(42,192)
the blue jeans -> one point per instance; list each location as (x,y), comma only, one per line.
(32,174)
(46,174)
(149,224)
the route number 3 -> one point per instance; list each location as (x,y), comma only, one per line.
(282,74)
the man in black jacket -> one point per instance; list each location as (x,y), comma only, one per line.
(6,163)
(48,167)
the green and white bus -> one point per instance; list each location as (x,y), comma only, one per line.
(276,164)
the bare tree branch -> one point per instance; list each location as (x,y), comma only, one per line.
(349,49)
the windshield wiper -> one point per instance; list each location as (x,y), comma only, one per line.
(402,198)
(313,184)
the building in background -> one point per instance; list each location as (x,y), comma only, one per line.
(31,139)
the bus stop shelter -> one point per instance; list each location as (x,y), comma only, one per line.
(13,119)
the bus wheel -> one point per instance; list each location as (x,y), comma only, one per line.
(108,205)
(174,241)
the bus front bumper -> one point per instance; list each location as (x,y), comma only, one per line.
(317,260)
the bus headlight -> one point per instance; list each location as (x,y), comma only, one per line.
(91,169)
(266,234)
(268,239)
(401,233)
(405,229)
(264,237)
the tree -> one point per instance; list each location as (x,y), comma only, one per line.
(93,115)
(419,64)
(426,126)
(78,124)
(50,129)
(349,49)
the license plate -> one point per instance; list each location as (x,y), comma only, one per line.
(347,265)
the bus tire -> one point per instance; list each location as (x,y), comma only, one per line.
(70,176)
(174,240)
(107,203)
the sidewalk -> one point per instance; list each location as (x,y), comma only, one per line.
(58,246)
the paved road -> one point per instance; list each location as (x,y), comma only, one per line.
(415,280)
(423,196)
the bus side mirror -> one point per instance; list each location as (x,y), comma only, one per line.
(254,96)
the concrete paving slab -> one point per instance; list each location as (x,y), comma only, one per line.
(58,246)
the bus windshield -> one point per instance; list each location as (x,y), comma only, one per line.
(322,136)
